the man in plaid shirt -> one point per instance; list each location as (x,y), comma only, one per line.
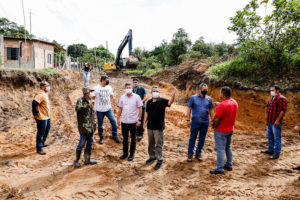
(275,111)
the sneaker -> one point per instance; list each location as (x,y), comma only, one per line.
(227,168)
(150,160)
(198,157)
(116,139)
(139,138)
(296,168)
(45,145)
(267,152)
(123,157)
(157,166)
(41,152)
(190,158)
(274,157)
(130,158)
(101,141)
(216,172)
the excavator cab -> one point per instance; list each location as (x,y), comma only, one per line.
(123,64)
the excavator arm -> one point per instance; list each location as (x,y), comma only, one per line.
(127,39)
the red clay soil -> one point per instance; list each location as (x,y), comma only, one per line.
(27,175)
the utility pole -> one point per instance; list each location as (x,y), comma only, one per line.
(25,47)
(106,51)
(30,21)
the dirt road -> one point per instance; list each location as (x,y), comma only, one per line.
(27,175)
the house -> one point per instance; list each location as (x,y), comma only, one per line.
(32,53)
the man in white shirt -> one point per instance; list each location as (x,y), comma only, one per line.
(130,107)
(103,99)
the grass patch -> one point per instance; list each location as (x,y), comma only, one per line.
(46,71)
(135,71)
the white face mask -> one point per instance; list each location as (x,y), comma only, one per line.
(273,93)
(48,88)
(128,91)
(155,95)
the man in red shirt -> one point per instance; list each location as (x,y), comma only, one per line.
(275,111)
(223,123)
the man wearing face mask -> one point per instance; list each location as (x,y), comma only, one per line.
(41,113)
(223,124)
(130,108)
(155,122)
(86,126)
(201,106)
(275,110)
(139,90)
(103,99)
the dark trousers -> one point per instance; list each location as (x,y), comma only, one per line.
(126,128)
(140,129)
(196,128)
(43,128)
(85,138)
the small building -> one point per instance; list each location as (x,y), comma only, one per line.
(33,53)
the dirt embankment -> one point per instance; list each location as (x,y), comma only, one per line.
(27,175)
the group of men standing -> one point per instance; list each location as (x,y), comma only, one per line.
(136,113)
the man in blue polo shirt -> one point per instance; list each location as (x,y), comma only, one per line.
(200,105)
(139,90)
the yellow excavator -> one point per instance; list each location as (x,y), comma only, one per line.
(123,64)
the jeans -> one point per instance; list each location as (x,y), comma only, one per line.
(110,115)
(274,138)
(88,139)
(126,128)
(156,144)
(86,76)
(140,129)
(43,128)
(195,129)
(223,145)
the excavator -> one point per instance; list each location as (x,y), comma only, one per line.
(123,64)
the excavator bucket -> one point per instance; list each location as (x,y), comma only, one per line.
(132,62)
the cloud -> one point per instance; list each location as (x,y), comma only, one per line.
(93,22)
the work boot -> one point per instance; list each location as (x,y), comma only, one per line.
(101,141)
(77,161)
(267,152)
(87,158)
(199,158)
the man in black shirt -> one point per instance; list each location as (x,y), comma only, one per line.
(155,122)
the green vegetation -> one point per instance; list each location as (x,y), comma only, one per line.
(97,55)
(8,28)
(47,72)
(269,47)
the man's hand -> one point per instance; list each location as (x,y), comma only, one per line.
(277,123)
(145,126)
(174,90)
(188,123)
(138,123)
(216,103)
(118,122)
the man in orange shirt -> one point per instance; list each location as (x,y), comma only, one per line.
(41,113)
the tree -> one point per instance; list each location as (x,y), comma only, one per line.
(207,50)
(9,28)
(179,45)
(77,50)
(272,40)
(98,55)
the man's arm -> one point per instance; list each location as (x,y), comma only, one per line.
(282,112)
(140,116)
(211,113)
(171,101)
(216,121)
(188,116)
(119,115)
(145,120)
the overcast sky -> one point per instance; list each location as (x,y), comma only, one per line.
(92,22)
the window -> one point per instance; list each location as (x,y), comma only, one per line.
(12,53)
(49,58)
